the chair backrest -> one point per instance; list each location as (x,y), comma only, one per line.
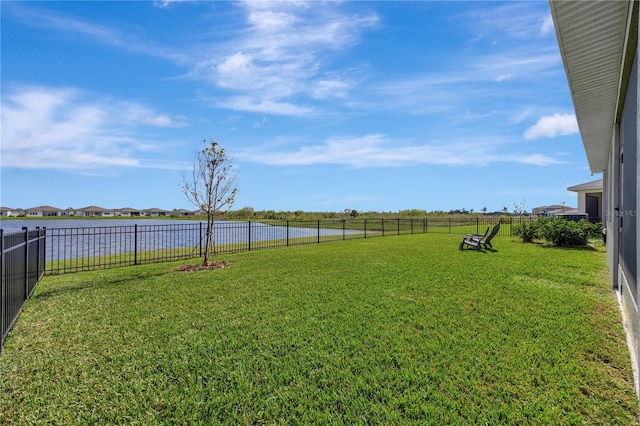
(494,232)
(485,233)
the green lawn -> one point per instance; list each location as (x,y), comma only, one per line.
(404,329)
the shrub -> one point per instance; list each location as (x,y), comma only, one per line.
(593,230)
(558,231)
(565,233)
(529,230)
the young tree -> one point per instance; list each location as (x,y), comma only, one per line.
(212,187)
(520,208)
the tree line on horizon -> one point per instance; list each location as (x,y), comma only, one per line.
(248,213)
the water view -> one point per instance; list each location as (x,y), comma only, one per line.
(15,225)
(86,238)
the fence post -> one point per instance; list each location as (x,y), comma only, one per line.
(44,250)
(449,225)
(344,234)
(200,239)
(213,238)
(287,232)
(477,225)
(365,228)
(3,296)
(318,231)
(249,236)
(38,256)
(426,225)
(411,225)
(135,244)
(26,263)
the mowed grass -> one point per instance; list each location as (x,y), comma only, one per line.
(396,330)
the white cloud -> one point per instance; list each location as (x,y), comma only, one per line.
(472,84)
(270,21)
(536,160)
(49,20)
(546,26)
(236,72)
(163,4)
(503,77)
(280,54)
(519,20)
(163,120)
(330,88)
(135,114)
(65,128)
(377,150)
(514,64)
(247,103)
(551,126)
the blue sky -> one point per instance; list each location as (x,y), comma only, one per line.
(323,106)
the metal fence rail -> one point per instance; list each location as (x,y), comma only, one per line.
(86,249)
(22,261)
(90,248)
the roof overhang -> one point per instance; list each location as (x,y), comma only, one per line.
(595,185)
(593,37)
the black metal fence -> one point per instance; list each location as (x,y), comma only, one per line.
(22,265)
(90,248)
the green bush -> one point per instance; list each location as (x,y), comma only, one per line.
(565,233)
(529,230)
(558,231)
(593,230)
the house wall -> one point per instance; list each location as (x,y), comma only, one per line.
(622,182)
(610,201)
(581,202)
(590,202)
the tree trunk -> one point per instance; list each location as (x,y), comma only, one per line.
(208,241)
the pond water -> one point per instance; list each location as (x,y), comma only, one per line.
(15,225)
(83,238)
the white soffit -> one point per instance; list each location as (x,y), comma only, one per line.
(591,37)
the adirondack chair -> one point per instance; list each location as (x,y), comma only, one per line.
(473,239)
(478,236)
(487,241)
(478,241)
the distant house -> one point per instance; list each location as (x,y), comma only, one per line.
(156,212)
(128,211)
(92,211)
(185,212)
(9,212)
(589,199)
(45,211)
(553,210)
